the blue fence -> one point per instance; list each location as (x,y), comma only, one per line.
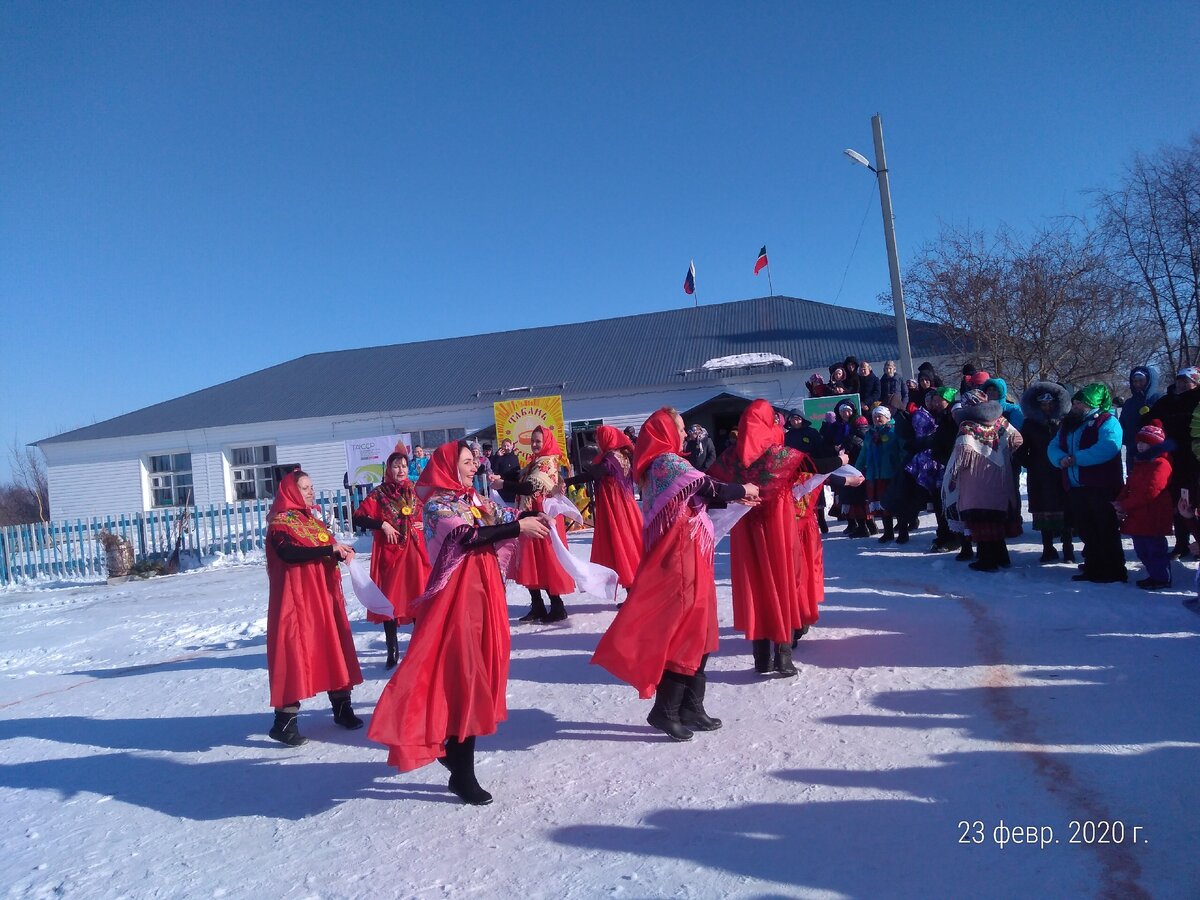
(72,549)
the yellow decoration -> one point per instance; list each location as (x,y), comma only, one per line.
(476,513)
(516,419)
(323,537)
(406,510)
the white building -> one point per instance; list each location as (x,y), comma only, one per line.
(222,443)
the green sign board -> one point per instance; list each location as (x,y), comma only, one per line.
(816,407)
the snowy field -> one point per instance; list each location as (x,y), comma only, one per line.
(939,713)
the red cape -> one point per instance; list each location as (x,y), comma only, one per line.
(617,538)
(400,570)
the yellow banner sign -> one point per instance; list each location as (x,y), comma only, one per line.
(516,419)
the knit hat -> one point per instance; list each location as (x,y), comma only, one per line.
(1152,433)
(882,412)
(979,379)
(925,367)
(947,393)
(1191,373)
(974,397)
(1095,396)
(861,422)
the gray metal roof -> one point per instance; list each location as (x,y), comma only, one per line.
(601,357)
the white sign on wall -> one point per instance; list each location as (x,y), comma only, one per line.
(365,457)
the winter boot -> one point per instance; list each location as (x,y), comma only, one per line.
(1068,551)
(558,612)
(460,760)
(692,714)
(342,712)
(821,523)
(1002,557)
(783,661)
(667,702)
(902,535)
(889,530)
(1049,553)
(762,656)
(989,558)
(798,633)
(965,553)
(537,607)
(285,730)
(872,529)
(393,649)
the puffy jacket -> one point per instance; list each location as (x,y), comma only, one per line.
(893,392)
(1096,444)
(882,454)
(868,390)
(1139,403)
(1145,496)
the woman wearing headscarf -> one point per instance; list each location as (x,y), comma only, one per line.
(1088,451)
(309,645)
(1045,404)
(399,563)
(617,538)
(537,569)
(978,489)
(772,595)
(450,686)
(662,635)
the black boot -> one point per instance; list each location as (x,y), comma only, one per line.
(889,530)
(965,553)
(783,661)
(821,523)
(872,530)
(798,633)
(537,607)
(692,714)
(460,760)
(393,648)
(667,702)
(1068,548)
(902,535)
(1182,538)
(343,714)
(1049,554)
(285,730)
(558,612)
(989,558)
(1002,556)
(762,656)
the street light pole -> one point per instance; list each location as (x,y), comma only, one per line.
(889,233)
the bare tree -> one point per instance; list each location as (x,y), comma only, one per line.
(29,480)
(1152,221)
(1043,307)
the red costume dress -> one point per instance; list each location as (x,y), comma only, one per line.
(772,592)
(617,538)
(537,567)
(668,623)
(400,570)
(452,680)
(309,645)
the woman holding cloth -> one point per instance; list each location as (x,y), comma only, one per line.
(450,686)
(662,635)
(617,539)
(399,563)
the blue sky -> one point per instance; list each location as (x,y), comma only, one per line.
(191,191)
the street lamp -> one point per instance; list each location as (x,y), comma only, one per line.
(889,232)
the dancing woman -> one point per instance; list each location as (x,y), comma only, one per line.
(617,538)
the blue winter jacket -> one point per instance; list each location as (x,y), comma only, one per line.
(882,454)
(1012,411)
(1131,412)
(1107,446)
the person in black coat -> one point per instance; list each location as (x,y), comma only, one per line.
(893,390)
(504,463)
(1175,410)
(853,380)
(699,449)
(800,435)
(868,386)
(1045,404)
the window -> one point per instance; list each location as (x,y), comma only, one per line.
(434,438)
(170,479)
(253,472)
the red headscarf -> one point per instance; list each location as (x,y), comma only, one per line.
(549,443)
(387,466)
(758,431)
(287,497)
(658,436)
(609,439)
(441,474)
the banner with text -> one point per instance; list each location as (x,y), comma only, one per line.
(516,419)
(365,457)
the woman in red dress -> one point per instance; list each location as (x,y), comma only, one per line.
(537,568)
(399,563)
(450,685)
(617,538)
(309,645)
(772,589)
(662,635)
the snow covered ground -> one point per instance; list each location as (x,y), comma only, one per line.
(931,698)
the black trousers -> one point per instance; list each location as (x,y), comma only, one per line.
(1096,523)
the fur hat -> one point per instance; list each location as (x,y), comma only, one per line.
(1152,433)
(974,397)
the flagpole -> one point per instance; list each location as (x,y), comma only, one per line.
(769,282)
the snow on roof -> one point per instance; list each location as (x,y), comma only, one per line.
(742,360)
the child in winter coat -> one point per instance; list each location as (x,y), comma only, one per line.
(854,501)
(1144,505)
(880,461)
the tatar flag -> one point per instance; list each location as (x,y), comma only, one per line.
(689,282)
(762,261)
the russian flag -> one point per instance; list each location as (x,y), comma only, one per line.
(689,281)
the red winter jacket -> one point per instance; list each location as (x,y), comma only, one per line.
(1146,499)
